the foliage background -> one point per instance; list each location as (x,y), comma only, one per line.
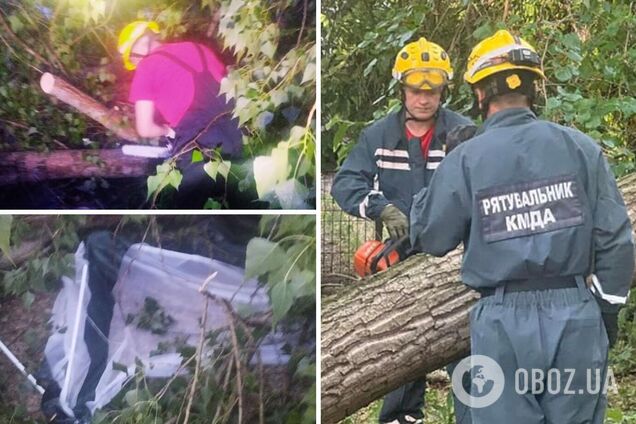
(270,45)
(278,250)
(588,49)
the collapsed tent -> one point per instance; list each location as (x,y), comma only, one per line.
(134,304)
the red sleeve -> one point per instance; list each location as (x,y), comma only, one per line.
(215,64)
(142,87)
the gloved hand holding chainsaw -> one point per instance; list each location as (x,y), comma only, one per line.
(396,223)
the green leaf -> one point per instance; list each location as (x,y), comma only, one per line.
(15,23)
(268,49)
(166,175)
(483,31)
(228,87)
(271,170)
(224,168)
(212,204)
(27,299)
(153,182)
(131,397)
(282,299)
(5,235)
(309,74)
(197,156)
(304,283)
(211,168)
(615,414)
(296,134)
(277,97)
(369,67)
(563,74)
(174,178)
(292,195)
(262,257)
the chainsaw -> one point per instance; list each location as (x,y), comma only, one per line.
(375,256)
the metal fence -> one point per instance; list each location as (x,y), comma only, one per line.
(341,236)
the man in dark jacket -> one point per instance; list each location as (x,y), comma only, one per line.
(539,212)
(393,160)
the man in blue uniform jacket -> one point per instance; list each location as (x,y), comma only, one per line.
(547,242)
(393,160)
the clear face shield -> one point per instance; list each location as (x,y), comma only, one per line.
(424,79)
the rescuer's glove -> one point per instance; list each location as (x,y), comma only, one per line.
(395,222)
(611,326)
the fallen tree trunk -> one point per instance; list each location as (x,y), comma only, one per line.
(397,326)
(113,120)
(16,167)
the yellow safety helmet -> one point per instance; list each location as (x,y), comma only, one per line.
(129,36)
(501,52)
(422,65)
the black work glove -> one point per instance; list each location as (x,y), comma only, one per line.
(611,326)
(458,135)
(395,222)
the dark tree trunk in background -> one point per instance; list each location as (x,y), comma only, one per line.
(19,167)
(398,325)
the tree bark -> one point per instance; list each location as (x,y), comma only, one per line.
(18,167)
(113,120)
(398,325)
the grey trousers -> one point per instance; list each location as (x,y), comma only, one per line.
(409,400)
(551,332)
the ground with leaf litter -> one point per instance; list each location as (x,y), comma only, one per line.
(24,331)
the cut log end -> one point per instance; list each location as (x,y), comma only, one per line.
(47,82)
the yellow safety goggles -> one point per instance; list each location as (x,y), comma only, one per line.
(424,79)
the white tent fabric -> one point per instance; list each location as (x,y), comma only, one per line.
(173,280)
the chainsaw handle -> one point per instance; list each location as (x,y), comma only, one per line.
(388,248)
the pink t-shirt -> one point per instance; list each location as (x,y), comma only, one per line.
(167,83)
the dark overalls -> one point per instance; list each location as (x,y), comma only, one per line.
(537,209)
(208,124)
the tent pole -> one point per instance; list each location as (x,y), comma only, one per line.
(20,367)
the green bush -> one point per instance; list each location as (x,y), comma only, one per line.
(587,47)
